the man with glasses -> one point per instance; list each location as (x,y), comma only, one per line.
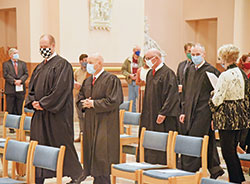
(161,102)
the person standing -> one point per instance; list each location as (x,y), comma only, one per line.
(51,96)
(15,74)
(80,75)
(100,97)
(196,116)
(230,107)
(161,102)
(129,70)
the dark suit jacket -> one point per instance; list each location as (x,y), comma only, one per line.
(180,72)
(9,75)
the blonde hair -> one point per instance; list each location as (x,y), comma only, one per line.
(228,53)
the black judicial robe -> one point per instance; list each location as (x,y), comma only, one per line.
(161,97)
(101,133)
(198,115)
(51,84)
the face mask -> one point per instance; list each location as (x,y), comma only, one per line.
(45,52)
(246,65)
(90,69)
(149,63)
(84,64)
(197,59)
(16,56)
(137,53)
(223,66)
(189,56)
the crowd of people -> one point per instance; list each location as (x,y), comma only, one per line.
(187,102)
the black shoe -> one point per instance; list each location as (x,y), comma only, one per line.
(11,130)
(81,178)
(216,175)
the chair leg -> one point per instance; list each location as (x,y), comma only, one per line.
(113,179)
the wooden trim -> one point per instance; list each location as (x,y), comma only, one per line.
(59,168)
(121,121)
(4,123)
(31,167)
(82,153)
(5,162)
(169,148)
(22,131)
(173,154)
(204,156)
(141,145)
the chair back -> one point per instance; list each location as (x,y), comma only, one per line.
(126,105)
(46,157)
(159,141)
(27,123)
(50,158)
(184,144)
(131,118)
(190,146)
(11,121)
(17,151)
(212,181)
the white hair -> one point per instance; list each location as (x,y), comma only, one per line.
(11,51)
(198,45)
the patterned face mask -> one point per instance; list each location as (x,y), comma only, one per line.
(45,52)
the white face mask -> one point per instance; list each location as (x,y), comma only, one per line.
(149,62)
(90,68)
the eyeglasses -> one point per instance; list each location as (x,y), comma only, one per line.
(149,58)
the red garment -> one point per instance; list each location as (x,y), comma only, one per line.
(153,72)
(134,66)
(93,82)
(248,76)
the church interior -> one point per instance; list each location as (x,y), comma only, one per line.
(88,27)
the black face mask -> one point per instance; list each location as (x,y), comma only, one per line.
(45,52)
(84,64)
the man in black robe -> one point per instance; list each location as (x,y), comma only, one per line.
(196,115)
(100,97)
(161,102)
(50,95)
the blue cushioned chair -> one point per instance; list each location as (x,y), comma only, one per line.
(126,105)
(17,152)
(184,145)
(10,121)
(127,118)
(49,158)
(25,127)
(150,140)
(26,111)
(213,181)
(244,159)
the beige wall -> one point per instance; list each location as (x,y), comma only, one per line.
(22,25)
(76,38)
(165,27)
(242,25)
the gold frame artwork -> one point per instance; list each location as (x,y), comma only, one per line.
(100,14)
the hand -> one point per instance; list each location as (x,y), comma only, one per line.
(182,118)
(36,105)
(180,88)
(87,103)
(160,119)
(132,76)
(18,82)
(77,85)
(212,125)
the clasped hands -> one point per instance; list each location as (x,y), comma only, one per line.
(17,82)
(87,103)
(36,105)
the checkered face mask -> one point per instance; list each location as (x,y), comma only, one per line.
(45,52)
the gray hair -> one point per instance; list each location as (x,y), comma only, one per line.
(12,50)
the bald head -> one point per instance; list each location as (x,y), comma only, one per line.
(96,60)
(49,38)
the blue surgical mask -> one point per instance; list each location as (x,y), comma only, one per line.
(16,56)
(90,69)
(197,59)
(137,53)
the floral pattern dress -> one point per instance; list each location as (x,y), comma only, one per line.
(230,102)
